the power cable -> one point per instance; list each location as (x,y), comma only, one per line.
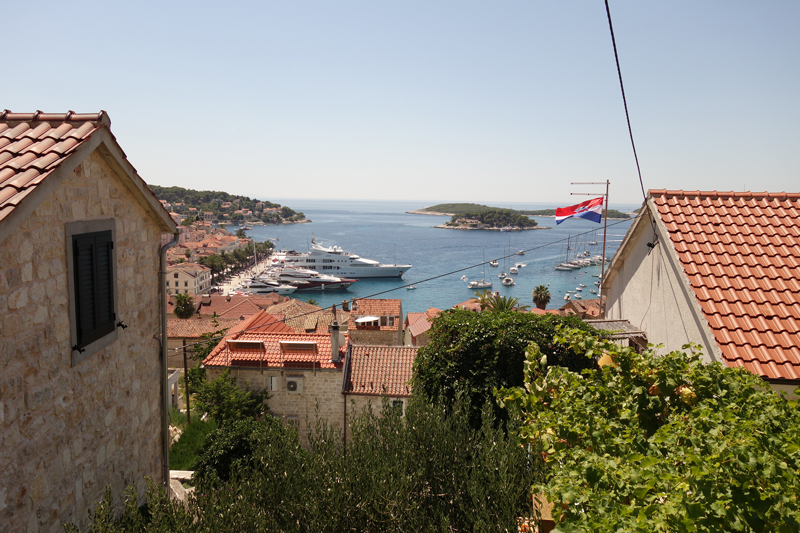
(219,338)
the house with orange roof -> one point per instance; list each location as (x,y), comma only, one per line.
(80,304)
(469,305)
(589,308)
(310,374)
(184,333)
(302,371)
(374,372)
(719,269)
(233,306)
(376,321)
(306,318)
(417,326)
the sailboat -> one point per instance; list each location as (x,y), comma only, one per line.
(482,284)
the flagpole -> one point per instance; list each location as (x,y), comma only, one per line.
(603,264)
(605,233)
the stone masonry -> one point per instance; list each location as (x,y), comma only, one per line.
(68,432)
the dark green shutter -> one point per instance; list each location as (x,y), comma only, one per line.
(94,286)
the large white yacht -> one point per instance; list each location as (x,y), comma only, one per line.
(260,285)
(308,280)
(332,260)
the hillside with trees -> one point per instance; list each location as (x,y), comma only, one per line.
(214,202)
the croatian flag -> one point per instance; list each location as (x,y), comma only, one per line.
(590,210)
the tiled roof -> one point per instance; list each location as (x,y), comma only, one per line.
(423,323)
(254,342)
(469,305)
(194,328)
(741,255)
(32,145)
(303,316)
(235,305)
(376,307)
(378,370)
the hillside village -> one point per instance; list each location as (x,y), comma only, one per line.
(108,305)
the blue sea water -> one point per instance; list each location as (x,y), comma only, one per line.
(382,230)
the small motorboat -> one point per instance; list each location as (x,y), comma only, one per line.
(464,278)
(593,291)
(502,275)
(508,282)
(494,263)
(513,270)
(521,252)
(566,297)
(578,289)
(582,285)
(520,265)
(578,297)
(411,287)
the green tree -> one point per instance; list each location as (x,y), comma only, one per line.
(659,443)
(241,233)
(496,303)
(541,296)
(184,306)
(188,221)
(475,353)
(224,401)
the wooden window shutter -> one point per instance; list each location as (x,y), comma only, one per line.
(94,285)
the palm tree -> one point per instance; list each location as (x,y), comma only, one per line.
(483,299)
(502,304)
(541,296)
(184,306)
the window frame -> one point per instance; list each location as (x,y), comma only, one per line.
(92,343)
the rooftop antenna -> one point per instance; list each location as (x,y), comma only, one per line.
(605,231)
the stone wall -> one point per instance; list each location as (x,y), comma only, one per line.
(323,388)
(67,432)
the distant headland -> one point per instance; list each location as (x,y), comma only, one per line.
(465,208)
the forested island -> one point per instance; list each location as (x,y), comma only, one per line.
(491,219)
(465,209)
(225,208)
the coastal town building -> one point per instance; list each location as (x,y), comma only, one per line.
(188,278)
(233,306)
(311,374)
(587,309)
(184,333)
(376,321)
(417,326)
(81,403)
(719,269)
(373,373)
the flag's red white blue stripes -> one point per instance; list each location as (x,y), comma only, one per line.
(590,210)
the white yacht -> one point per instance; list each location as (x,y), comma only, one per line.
(508,282)
(259,285)
(309,280)
(513,270)
(332,260)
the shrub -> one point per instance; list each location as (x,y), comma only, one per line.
(661,443)
(224,401)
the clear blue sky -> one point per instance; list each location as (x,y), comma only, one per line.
(423,100)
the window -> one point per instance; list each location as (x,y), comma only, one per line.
(176,274)
(92,286)
(185,283)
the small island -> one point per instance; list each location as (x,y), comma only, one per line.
(464,209)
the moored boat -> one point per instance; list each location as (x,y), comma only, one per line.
(332,260)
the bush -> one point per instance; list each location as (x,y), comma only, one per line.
(184,453)
(427,471)
(224,401)
(661,443)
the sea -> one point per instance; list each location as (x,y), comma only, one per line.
(384,231)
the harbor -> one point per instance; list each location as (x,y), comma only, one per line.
(383,231)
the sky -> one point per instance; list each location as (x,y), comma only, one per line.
(431,101)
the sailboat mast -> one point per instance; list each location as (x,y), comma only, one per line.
(603,263)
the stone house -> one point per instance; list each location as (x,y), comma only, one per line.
(374,372)
(589,308)
(300,370)
(83,390)
(188,278)
(304,317)
(310,374)
(376,321)
(183,333)
(720,269)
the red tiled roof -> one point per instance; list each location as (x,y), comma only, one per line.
(303,316)
(376,307)
(268,347)
(469,305)
(235,305)
(378,370)
(194,328)
(741,255)
(32,145)
(423,322)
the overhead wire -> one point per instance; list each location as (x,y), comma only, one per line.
(373,295)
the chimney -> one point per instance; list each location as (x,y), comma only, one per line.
(205,299)
(345,305)
(228,297)
(336,338)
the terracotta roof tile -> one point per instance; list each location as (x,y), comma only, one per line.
(379,370)
(269,348)
(30,149)
(193,328)
(740,253)
(376,307)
